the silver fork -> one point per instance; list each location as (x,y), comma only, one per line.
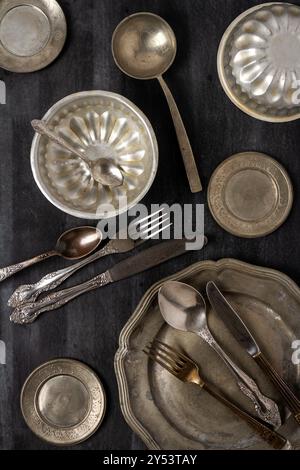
(186,370)
(125,241)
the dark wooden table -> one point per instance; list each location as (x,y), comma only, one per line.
(88,328)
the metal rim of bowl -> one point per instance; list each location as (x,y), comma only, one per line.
(221,70)
(44,188)
(147,13)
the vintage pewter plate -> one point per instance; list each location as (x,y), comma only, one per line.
(100,124)
(170,415)
(63,402)
(259,62)
(250,195)
(32,34)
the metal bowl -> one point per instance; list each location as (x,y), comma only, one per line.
(259,62)
(103,124)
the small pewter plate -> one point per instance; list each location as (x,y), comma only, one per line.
(100,124)
(32,34)
(259,62)
(250,195)
(63,402)
(170,415)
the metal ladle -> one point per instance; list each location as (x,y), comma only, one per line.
(184,308)
(103,170)
(144,47)
(73,244)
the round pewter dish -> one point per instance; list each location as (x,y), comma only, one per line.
(250,195)
(100,124)
(259,62)
(63,402)
(32,34)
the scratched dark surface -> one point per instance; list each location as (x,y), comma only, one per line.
(88,328)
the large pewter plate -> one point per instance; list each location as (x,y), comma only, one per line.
(32,34)
(168,414)
(259,62)
(100,124)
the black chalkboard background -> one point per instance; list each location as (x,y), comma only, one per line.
(88,328)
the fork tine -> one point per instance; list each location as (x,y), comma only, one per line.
(149,217)
(177,353)
(153,234)
(169,357)
(161,362)
(150,222)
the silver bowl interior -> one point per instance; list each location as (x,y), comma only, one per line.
(101,124)
(259,62)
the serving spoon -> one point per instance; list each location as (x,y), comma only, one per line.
(184,308)
(144,47)
(103,170)
(73,244)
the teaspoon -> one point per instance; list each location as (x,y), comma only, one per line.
(103,170)
(72,245)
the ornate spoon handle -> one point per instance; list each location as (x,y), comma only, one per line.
(30,292)
(29,312)
(9,271)
(271,437)
(287,394)
(266,408)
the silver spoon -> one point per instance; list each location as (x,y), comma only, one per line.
(184,308)
(103,170)
(144,47)
(73,244)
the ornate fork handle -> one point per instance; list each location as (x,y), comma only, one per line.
(9,271)
(274,439)
(30,292)
(29,312)
(266,408)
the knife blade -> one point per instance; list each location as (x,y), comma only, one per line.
(231,319)
(148,259)
(240,331)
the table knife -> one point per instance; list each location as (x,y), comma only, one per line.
(28,312)
(237,327)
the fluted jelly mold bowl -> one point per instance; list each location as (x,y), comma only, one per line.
(100,124)
(259,62)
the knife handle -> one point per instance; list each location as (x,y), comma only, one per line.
(288,395)
(274,439)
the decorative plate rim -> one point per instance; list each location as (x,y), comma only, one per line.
(290,193)
(221,69)
(141,310)
(101,388)
(139,114)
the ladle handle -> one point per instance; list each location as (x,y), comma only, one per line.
(183,140)
(9,271)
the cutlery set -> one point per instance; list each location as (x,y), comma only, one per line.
(94,156)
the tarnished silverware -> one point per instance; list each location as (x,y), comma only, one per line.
(103,169)
(184,308)
(237,327)
(144,47)
(186,370)
(73,244)
(145,229)
(147,259)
